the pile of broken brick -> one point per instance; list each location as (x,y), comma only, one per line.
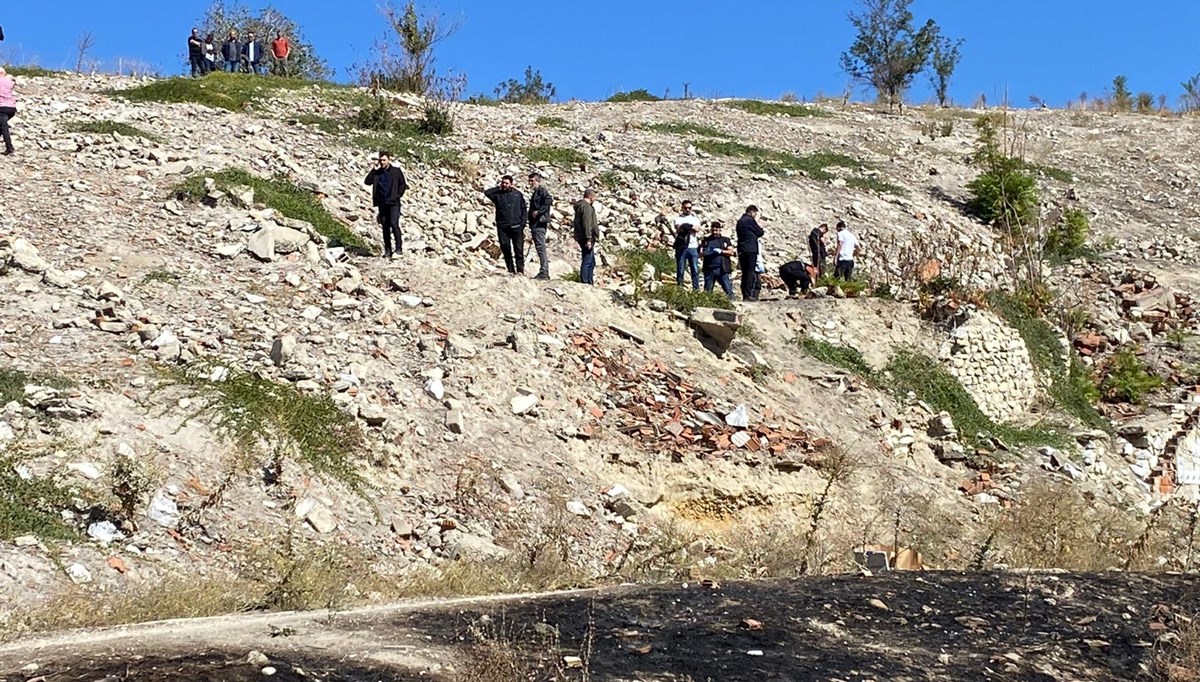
(665,413)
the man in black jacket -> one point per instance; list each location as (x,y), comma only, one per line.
(388,188)
(540,203)
(748,234)
(816,246)
(196,53)
(231,51)
(716,249)
(510,223)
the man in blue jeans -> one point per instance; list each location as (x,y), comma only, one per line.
(717,249)
(587,231)
(687,245)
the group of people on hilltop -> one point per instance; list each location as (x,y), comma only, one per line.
(238,56)
(712,253)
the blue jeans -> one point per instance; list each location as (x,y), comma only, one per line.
(723,277)
(691,259)
(231,65)
(587,265)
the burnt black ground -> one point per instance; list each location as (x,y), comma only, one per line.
(936,626)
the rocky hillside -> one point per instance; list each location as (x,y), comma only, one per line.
(213,388)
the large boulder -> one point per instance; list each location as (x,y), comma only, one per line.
(719,325)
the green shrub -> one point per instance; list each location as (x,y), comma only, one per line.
(436,119)
(376,115)
(13,382)
(1004,195)
(551,122)
(640,95)
(753,106)
(1067,238)
(686,128)
(686,299)
(572,276)
(1122,99)
(533,90)
(852,287)
(1126,379)
(555,156)
(32,506)
(30,71)
(232,91)
(283,196)
(635,261)
(110,128)
(251,411)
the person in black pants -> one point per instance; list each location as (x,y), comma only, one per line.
(196,53)
(8,108)
(816,246)
(388,188)
(748,234)
(511,212)
(796,275)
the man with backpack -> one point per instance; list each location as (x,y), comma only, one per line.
(687,245)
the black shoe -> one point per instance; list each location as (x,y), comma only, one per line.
(387,254)
(542,276)
(10,151)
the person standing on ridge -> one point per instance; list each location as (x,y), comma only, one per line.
(196,53)
(587,231)
(717,249)
(281,52)
(540,203)
(748,234)
(847,245)
(687,245)
(388,187)
(252,54)
(210,54)
(8,108)
(816,246)
(510,223)
(231,51)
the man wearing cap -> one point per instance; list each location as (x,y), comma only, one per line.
(540,203)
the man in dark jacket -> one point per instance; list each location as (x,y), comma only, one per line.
(510,223)
(231,52)
(796,274)
(196,53)
(587,231)
(716,249)
(540,203)
(388,188)
(816,246)
(748,234)
(252,54)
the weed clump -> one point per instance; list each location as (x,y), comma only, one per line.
(687,128)
(773,162)
(639,95)
(252,411)
(555,156)
(761,108)
(283,196)
(1126,379)
(32,506)
(551,122)
(846,357)
(111,128)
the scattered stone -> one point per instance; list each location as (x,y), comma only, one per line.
(372,414)
(282,350)
(523,404)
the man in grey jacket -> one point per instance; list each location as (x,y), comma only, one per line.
(540,203)
(511,214)
(587,231)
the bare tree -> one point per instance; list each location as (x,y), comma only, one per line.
(417,33)
(86,41)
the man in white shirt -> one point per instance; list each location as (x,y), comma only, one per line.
(687,245)
(847,244)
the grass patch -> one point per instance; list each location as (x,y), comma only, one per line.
(232,91)
(326,124)
(111,128)
(686,128)
(413,146)
(753,106)
(163,276)
(687,299)
(846,357)
(251,411)
(936,386)
(552,122)
(1071,389)
(640,95)
(30,71)
(773,162)
(749,333)
(13,382)
(283,196)
(572,276)
(852,287)
(555,156)
(870,183)
(1051,172)
(33,506)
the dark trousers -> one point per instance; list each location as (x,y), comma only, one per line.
(587,264)
(5,114)
(818,261)
(714,277)
(539,245)
(795,277)
(389,221)
(748,264)
(512,245)
(844,269)
(197,64)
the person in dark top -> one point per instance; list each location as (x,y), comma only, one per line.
(716,250)
(196,53)
(511,214)
(795,274)
(587,233)
(252,54)
(388,188)
(816,246)
(748,234)
(231,51)
(540,203)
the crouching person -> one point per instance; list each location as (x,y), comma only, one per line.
(797,275)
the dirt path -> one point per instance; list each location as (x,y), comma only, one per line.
(932,626)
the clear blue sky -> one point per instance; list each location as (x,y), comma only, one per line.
(754,48)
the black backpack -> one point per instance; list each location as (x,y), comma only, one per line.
(682,233)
